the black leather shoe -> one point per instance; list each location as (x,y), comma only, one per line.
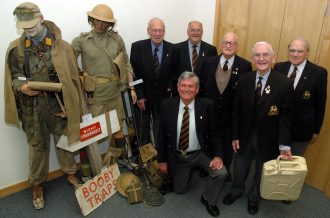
(286,202)
(229,199)
(253,207)
(213,210)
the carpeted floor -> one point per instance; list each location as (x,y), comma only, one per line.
(61,202)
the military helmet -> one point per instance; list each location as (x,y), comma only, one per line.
(27,15)
(102,12)
(124,181)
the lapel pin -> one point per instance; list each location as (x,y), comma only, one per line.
(203,54)
(267,89)
(201,117)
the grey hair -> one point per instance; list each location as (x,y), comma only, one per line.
(271,51)
(189,75)
(151,21)
(307,46)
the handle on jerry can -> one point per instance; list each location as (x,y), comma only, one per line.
(291,162)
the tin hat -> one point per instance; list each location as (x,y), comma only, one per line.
(27,15)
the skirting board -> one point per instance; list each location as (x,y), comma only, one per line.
(24,185)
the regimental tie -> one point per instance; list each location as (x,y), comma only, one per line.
(194,57)
(156,62)
(293,74)
(258,89)
(184,133)
(225,66)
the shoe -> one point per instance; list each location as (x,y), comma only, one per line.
(73,181)
(286,202)
(38,197)
(230,199)
(203,173)
(213,210)
(253,207)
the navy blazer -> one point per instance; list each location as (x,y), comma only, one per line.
(273,117)
(223,102)
(143,66)
(207,131)
(309,100)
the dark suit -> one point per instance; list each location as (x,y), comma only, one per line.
(259,138)
(208,136)
(224,102)
(152,89)
(182,58)
(309,100)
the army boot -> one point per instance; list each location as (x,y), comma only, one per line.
(73,181)
(38,197)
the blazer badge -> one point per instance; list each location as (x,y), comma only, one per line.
(273,111)
(306,95)
(235,71)
(267,90)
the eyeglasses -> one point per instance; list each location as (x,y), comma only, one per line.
(293,51)
(260,55)
(157,31)
(225,43)
(195,30)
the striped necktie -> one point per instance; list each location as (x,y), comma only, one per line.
(293,74)
(194,57)
(184,133)
(156,62)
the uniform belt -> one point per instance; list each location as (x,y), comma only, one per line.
(186,153)
(102,80)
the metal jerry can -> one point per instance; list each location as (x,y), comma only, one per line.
(283,179)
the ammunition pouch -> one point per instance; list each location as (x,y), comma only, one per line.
(148,155)
(89,85)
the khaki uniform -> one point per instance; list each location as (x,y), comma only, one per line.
(104,57)
(38,113)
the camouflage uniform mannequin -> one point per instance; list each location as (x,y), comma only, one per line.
(41,55)
(104,58)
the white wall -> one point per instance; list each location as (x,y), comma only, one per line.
(70,16)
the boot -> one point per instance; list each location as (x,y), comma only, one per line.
(73,180)
(38,197)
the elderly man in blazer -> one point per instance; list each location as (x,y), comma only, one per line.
(184,52)
(187,131)
(310,94)
(261,123)
(157,77)
(221,82)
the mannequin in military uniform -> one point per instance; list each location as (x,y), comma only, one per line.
(41,55)
(106,64)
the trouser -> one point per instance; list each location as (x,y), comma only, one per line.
(97,109)
(228,148)
(183,171)
(39,125)
(242,168)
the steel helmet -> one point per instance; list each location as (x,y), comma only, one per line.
(124,181)
(102,12)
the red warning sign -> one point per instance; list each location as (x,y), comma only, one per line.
(90,131)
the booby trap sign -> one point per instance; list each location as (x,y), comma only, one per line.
(97,190)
